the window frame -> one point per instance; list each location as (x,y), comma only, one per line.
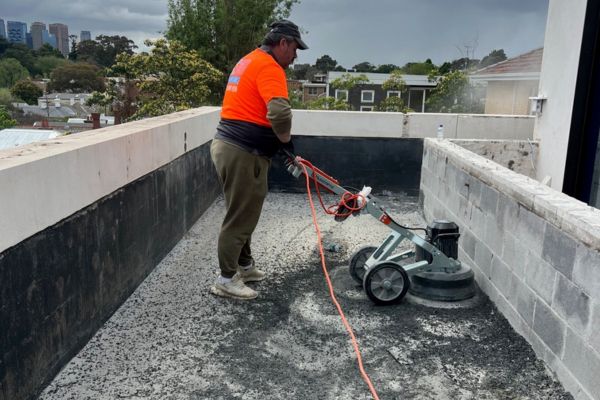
(362,96)
(339,91)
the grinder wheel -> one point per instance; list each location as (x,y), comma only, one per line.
(386,283)
(357,263)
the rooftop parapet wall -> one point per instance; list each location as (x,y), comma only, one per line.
(535,253)
(46,182)
(411,125)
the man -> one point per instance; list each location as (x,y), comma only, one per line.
(256,121)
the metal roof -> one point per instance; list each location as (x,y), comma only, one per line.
(55,112)
(10,138)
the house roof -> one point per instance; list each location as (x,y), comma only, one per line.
(378,79)
(17,137)
(524,66)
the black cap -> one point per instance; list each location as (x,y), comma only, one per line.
(288,28)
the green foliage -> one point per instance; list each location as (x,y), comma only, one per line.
(11,71)
(395,81)
(169,78)
(27,91)
(24,55)
(386,68)
(78,77)
(325,63)
(364,66)
(47,50)
(454,94)
(348,81)
(393,104)
(494,57)
(223,31)
(328,103)
(6,120)
(103,51)
(6,98)
(295,97)
(418,68)
(46,64)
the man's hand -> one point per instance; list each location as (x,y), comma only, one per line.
(288,149)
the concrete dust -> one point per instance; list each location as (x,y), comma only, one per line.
(173,340)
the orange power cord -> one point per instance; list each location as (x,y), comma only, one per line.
(346,198)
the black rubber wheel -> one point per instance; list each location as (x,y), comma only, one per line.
(357,263)
(386,283)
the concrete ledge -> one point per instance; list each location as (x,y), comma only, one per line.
(50,180)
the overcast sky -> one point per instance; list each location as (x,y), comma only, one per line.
(350,31)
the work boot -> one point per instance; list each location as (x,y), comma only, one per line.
(235,289)
(251,274)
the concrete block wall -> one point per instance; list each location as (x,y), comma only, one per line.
(535,252)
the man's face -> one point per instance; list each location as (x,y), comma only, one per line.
(287,52)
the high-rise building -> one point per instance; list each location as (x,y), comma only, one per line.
(2,29)
(16,32)
(37,35)
(85,35)
(49,38)
(61,31)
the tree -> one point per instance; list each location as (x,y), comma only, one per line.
(325,63)
(453,94)
(6,120)
(348,81)
(27,91)
(78,77)
(395,82)
(11,71)
(328,103)
(169,78)
(6,98)
(46,64)
(393,104)
(418,68)
(364,66)
(494,57)
(25,56)
(386,68)
(73,52)
(47,50)
(223,31)
(104,50)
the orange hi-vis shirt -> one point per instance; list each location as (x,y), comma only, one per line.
(255,80)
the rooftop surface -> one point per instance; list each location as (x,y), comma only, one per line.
(173,340)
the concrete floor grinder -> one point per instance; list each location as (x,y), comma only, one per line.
(431,270)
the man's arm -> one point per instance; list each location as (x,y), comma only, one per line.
(279,113)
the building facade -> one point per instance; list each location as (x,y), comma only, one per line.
(510,83)
(85,35)
(61,31)
(368,96)
(37,34)
(16,32)
(2,29)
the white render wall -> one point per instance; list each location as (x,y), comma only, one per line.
(411,125)
(564,31)
(45,182)
(534,251)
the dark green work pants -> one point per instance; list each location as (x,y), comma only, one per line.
(244,179)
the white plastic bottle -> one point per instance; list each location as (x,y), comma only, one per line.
(440,131)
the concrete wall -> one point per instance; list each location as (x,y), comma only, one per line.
(411,125)
(564,31)
(509,97)
(516,155)
(534,251)
(87,219)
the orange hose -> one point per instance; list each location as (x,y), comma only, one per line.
(332,294)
